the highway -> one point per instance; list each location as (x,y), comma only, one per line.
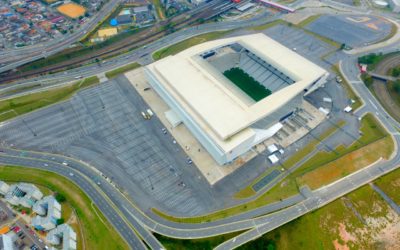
(125,215)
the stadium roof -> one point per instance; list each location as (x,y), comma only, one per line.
(214,106)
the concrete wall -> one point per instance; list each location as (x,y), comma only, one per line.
(216,152)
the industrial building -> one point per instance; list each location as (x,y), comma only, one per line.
(202,86)
(49,212)
(23,194)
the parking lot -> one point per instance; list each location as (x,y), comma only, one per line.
(104,127)
(353,31)
(304,44)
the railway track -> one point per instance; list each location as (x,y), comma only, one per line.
(127,44)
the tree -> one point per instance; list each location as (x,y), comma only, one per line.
(342,46)
(396,86)
(60,197)
(395,72)
(60,221)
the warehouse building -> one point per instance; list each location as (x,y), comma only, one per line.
(233,93)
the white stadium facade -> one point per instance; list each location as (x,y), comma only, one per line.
(224,118)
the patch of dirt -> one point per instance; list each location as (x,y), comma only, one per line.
(382,231)
(72,219)
(396,183)
(338,246)
(344,235)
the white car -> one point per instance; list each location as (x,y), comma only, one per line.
(71,174)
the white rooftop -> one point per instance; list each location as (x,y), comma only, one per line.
(214,106)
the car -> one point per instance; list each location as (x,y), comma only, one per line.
(189,161)
(99,183)
(34,247)
(71,174)
(40,240)
(338,79)
(46,165)
(65,163)
(164,130)
(16,229)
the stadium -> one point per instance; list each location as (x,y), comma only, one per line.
(233,93)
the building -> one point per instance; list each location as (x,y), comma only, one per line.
(4,187)
(63,234)
(49,212)
(23,194)
(6,242)
(395,5)
(124,19)
(222,116)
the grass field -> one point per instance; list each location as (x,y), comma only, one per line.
(390,184)
(123,69)
(178,47)
(267,25)
(335,226)
(346,164)
(308,20)
(247,84)
(10,108)
(94,225)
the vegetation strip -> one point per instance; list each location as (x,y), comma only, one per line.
(123,69)
(178,47)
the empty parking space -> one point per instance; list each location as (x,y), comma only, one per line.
(305,44)
(353,31)
(104,127)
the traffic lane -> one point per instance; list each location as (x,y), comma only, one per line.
(98,199)
(143,232)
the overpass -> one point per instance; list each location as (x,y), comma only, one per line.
(384,78)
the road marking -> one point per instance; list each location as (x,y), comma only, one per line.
(373,104)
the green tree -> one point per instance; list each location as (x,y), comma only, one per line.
(59,197)
(396,86)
